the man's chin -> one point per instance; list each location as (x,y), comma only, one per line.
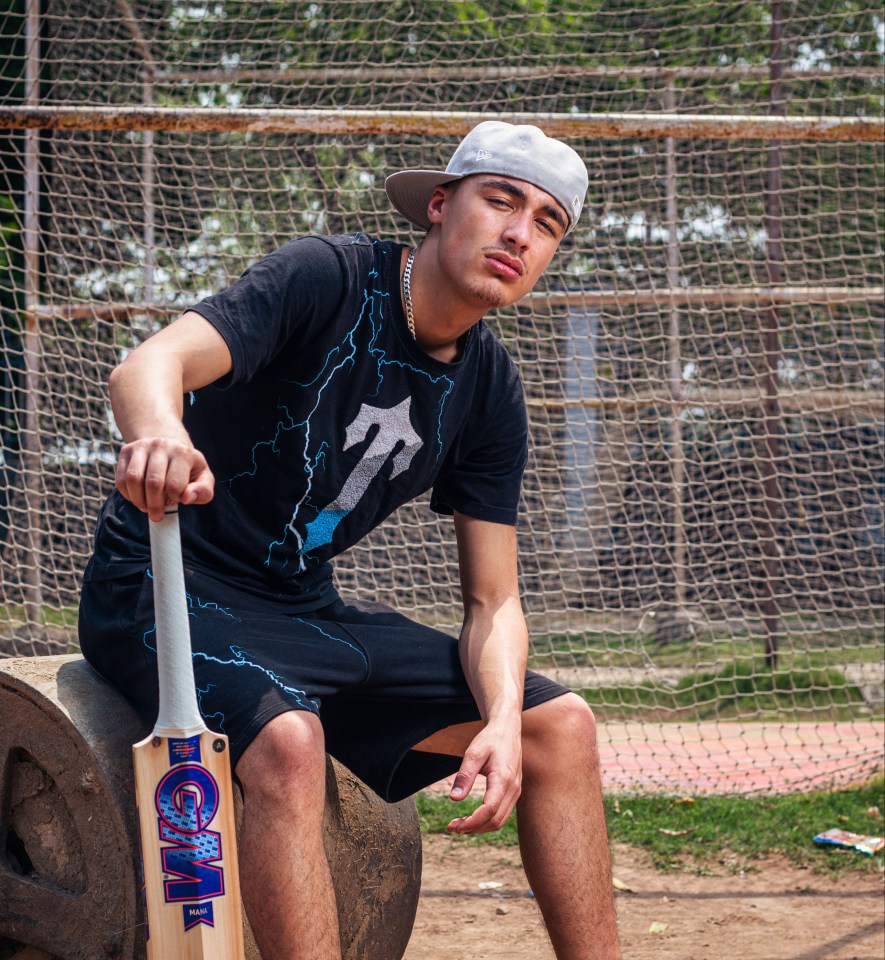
(493,295)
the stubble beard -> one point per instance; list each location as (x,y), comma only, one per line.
(489,295)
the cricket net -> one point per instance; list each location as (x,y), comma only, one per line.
(703,526)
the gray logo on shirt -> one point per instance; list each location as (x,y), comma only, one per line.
(394,427)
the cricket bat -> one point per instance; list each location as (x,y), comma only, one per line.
(183,791)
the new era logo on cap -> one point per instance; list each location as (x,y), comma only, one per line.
(483,155)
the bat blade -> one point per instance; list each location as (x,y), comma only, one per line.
(188,841)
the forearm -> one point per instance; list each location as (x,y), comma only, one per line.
(494,648)
(147,390)
(158,464)
(146,396)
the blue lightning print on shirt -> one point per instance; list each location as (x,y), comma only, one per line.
(347,352)
(394,429)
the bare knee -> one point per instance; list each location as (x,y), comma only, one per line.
(286,762)
(560,733)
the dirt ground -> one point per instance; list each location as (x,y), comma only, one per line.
(770,910)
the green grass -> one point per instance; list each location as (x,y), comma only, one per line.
(801,647)
(750,827)
(714,828)
(14,615)
(436,812)
(743,689)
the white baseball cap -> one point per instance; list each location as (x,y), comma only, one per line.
(521,151)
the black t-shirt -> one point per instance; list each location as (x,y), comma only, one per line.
(331,418)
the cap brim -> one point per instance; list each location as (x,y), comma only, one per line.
(410,192)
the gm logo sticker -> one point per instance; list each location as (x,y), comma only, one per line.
(186,801)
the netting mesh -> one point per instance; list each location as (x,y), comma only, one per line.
(703,532)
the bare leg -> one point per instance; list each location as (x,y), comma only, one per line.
(561,824)
(284,873)
(562,834)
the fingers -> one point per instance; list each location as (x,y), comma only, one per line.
(464,780)
(502,792)
(489,817)
(155,472)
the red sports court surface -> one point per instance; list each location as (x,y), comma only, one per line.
(720,757)
(734,757)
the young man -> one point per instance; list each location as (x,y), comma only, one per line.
(337,379)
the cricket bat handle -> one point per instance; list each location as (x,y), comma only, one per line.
(179,713)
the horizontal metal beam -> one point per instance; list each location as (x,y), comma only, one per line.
(707,296)
(440,123)
(838,400)
(102,310)
(864,402)
(542,71)
(663,298)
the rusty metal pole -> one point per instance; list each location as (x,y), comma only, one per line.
(30,441)
(330,121)
(674,363)
(148,181)
(771,420)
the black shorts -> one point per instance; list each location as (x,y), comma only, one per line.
(379,682)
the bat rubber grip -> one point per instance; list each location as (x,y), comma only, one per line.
(179,713)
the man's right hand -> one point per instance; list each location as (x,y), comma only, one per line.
(156,472)
(159,465)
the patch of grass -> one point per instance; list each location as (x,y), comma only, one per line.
(800,647)
(435,812)
(14,615)
(750,827)
(745,688)
(704,829)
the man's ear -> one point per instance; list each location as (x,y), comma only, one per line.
(435,204)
